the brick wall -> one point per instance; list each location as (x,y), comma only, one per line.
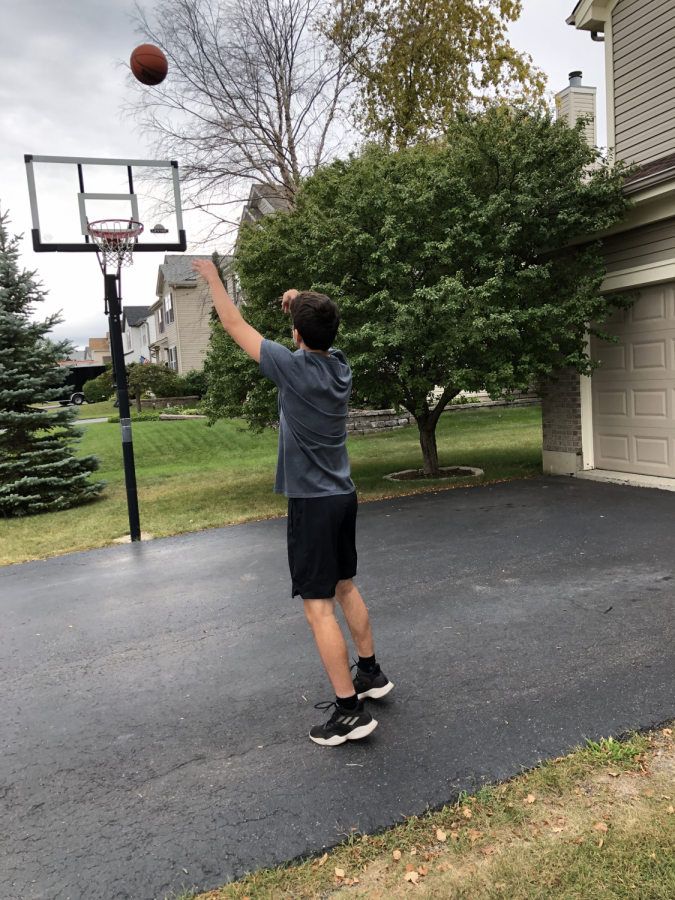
(561,414)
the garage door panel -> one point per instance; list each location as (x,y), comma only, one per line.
(654,310)
(648,355)
(634,390)
(612,403)
(651,451)
(612,356)
(613,448)
(650,307)
(650,403)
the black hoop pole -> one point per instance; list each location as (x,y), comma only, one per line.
(113,304)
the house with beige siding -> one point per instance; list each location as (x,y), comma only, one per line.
(182,314)
(619,424)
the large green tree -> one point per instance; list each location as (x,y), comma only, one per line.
(39,471)
(417,63)
(448,264)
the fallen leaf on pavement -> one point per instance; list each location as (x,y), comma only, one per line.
(412,876)
(670,810)
(411,867)
(397,854)
(340,873)
(186,871)
(614,774)
(444,868)
(600,826)
(467,813)
(441,835)
(529,798)
(413,852)
(667,731)
(488,849)
(323,859)
(454,836)
(474,835)
(600,842)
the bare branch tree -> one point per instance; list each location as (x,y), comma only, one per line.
(254,93)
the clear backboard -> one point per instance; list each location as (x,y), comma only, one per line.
(67,193)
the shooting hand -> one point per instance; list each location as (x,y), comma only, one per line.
(286,300)
(206,269)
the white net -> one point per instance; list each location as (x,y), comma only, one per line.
(115,239)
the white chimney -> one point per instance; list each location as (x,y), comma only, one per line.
(578,100)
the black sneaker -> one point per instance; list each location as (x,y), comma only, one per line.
(343,725)
(373,684)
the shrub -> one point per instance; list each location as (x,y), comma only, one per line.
(96,390)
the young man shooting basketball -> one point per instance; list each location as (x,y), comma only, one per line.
(315,385)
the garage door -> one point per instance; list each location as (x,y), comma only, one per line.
(634,391)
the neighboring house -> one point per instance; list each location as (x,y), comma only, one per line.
(138,333)
(620,424)
(99,349)
(182,314)
(80,355)
(263,199)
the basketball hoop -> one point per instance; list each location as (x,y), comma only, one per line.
(115,239)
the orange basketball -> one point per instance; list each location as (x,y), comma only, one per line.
(149,64)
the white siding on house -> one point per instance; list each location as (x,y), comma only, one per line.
(643,48)
(640,246)
(574,102)
(193,309)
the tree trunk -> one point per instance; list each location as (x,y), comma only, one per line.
(427,420)
(429,450)
(138,401)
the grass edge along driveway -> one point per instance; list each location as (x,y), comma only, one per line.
(191,477)
(598,823)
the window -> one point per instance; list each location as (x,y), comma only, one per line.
(144,334)
(168,309)
(160,320)
(173,358)
(127,335)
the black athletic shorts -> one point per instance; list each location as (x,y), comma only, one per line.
(321,543)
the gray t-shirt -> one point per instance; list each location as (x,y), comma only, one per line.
(314,392)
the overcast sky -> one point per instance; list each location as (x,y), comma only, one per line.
(61,89)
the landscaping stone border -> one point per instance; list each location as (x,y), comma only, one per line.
(163,402)
(470,472)
(375,421)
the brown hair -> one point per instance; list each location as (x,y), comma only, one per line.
(316,319)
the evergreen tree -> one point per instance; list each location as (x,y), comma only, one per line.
(39,471)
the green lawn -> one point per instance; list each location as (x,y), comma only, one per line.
(94,410)
(192,477)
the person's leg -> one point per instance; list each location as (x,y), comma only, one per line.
(356,614)
(331,644)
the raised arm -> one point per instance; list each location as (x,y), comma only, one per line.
(233,322)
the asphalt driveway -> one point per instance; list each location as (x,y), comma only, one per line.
(153,696)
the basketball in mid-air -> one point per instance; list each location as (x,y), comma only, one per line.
(149,64)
